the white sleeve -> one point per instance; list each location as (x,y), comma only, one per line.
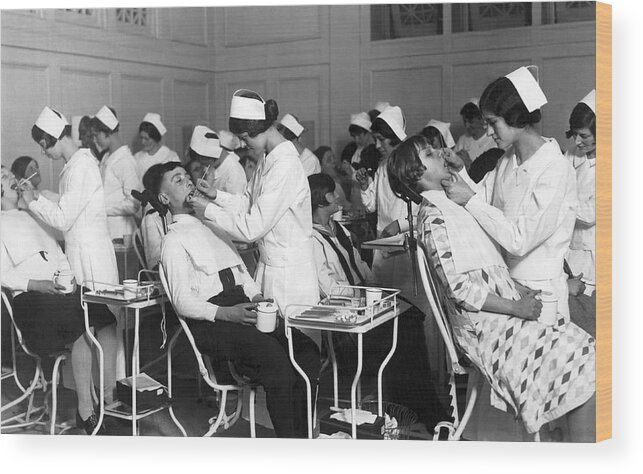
(180,272)
(124,204)
(326,278)
(152,237)
(537,222)
(237,183)
(63,214)
(250,287)
(11,278)
(279,193)
(369,198)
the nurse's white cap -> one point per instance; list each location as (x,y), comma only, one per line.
(52,122)
(394,118)
(247,108)
(155,119)
(107,117)
(528,89)
(590,100)
(475,101)
(382,106)
(292,124)
(361,120)
(228,140)
(445,130)
(205,142)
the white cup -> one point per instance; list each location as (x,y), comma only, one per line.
(64,278)
(130,289)
(266,316)
(373,295)
(549,312)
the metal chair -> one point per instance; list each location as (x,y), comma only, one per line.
(38,382)
(139,249)
(208,375)
(454,367)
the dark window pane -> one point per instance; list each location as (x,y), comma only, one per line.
(567,12)
(405,20)
(489,16)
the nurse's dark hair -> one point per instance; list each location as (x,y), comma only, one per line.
(38,134)
(431,133)
(19,166)
(404,164)
(501,98)
(373,113)
(151,131)
(383,128)
(99,126)
(153,177)
(470,111)
(582,117)
(320,184)
(321,151)
(285,132)
(255,127)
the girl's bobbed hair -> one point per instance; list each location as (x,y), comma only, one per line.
(501,98)
(404,164)
(582,117)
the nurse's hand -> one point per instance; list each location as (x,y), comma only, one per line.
(363,178)
(27,192)
(454,161)
(45,286)
(575,285)
(392,229)
(258,298)
(203,186)
(456,189)
(198,203)
(239,314)
(528,307)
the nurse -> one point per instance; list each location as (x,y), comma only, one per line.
(80,212)
(527,204)
(151,131)
(119,173)
(438,134)
(581,256)
(274,210)
(291,129)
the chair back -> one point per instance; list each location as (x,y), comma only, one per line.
(205,368)
(139,249)
(6,299)
(439,314)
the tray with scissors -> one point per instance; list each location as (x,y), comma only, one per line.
(108,293)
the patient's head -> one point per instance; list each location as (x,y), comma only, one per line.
(10,194)
(171,183)
(323,197)
(417,165)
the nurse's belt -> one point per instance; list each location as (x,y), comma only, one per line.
(394,118)
(205,142)
(528,89)
(155,119)
(590,100)
(107,117)
(51,122)
(247,108)
(361,120)
(292,124)
(445,131)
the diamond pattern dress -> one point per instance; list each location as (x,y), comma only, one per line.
(535,371)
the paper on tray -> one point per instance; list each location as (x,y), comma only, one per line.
(361,416)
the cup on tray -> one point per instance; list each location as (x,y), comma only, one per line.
(64,278)
(266,316)
(130,289)
(373,295)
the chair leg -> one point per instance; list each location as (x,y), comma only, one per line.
(54,393)
(251,403)
(476,384)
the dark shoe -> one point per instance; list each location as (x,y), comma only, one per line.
(89,424)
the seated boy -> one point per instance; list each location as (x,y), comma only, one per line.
(211,288)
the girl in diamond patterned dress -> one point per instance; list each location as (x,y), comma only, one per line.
(536,371)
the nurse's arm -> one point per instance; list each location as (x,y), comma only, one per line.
(267,209)
(124,204)
(63,214)
(586,212)
(369,198)
(538,219)
(250,287)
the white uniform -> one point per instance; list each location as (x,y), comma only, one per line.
(230,176)
(582,254)
(120,176)
(474,147)
(310,162)
(275,210)
(80,215)
(529,210)
(144,160)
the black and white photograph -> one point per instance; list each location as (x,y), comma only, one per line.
(347,221)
